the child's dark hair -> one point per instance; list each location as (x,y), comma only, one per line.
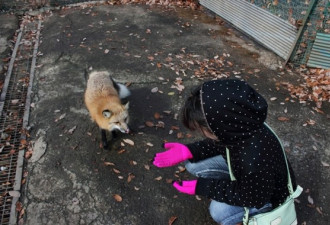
(192,113)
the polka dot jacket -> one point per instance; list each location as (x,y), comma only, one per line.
(235,113)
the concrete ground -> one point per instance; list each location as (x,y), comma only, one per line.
(72,180)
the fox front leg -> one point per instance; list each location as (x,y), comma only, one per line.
(104,139)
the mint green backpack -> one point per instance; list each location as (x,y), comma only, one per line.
(285,214)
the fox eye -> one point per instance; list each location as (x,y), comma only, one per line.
(106,113)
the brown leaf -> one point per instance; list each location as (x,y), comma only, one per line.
(149,124)
(19,206)
(171,220)
(130,177)
(169,181)
(28,154)
(157,116)
(117,197)
(121,151)
(318,209)
(282,118)
(158,178)
(175,128)
(109,164)
(115,170)
(180,135)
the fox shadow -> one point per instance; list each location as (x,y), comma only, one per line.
(146,113)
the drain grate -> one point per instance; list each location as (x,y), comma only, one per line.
(14,111)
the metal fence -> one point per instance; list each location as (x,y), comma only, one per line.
(310,16)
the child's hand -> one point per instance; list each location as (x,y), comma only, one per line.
(175,154)
(187,187)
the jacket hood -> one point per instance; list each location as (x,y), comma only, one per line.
(233,109)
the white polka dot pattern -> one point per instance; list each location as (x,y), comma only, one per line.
(235,113)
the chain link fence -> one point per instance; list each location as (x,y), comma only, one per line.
(293,11)
(317,22)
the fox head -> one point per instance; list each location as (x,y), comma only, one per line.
(115,118)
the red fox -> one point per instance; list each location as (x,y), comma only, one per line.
(103,100)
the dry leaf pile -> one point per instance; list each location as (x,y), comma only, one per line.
(316,87)
(181,3)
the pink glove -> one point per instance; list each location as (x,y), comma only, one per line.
(187,187)
(175,154)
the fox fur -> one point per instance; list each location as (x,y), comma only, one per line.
(103,99)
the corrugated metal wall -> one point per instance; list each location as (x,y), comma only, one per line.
(320,55)
(271,31)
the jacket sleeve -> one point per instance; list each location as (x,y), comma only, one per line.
(251,190)
(205,149)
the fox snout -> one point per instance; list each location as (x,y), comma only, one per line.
(126,131)
(121,127)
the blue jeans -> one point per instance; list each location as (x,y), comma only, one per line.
(216,167)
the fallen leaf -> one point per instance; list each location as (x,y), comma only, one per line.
(175,128)
(136,188)
(130,177)
(149,124)
(158,178)
(180,135)
(169,181)
(147,167)
(72,130)
(318,209)
(60,118)
(15,101)
(109,164)
(282,118)
(325,164)
(19,206)
(121,151)
(181,169)
(117,197)
(171,220)
(150,144)
(154,90)
(157,116)
(116,171)
(160,124)
(129,141)
(310,122)
(273,98)
(310,200)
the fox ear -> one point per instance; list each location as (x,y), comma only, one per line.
(126,106)
(106,113)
